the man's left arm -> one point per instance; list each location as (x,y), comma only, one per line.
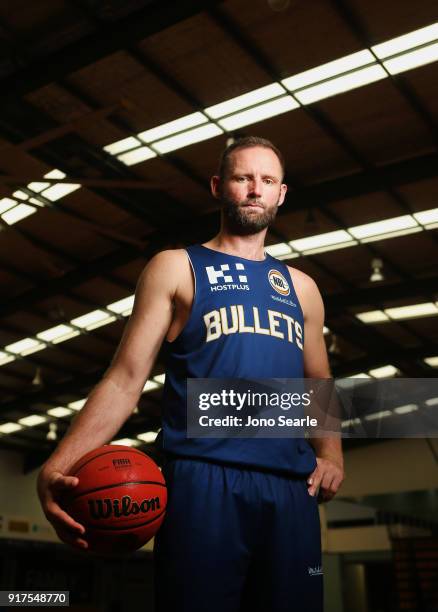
(329,473)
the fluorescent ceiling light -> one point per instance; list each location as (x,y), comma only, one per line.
(93,319)
(60,190)
(32,420)
(172,127)
(383,372)
(187,138)
(122,307)
(55,333)
(19,212)
(148,436)
(78,404)
(362,375)
(349,422)
(406,409)
(120,146)
(259,113)
(341,84)
(433,401)
(406,41)
(6,204)
(329,70)
(59,412)
(378,415)
(407,61)
(386,226)
(432,361)
(244,101)
(136,156)
(372,316)
(412,311)
(8,428)
(321,240)
(160,379)
(126,442)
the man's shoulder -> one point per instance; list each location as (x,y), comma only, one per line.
(303,281)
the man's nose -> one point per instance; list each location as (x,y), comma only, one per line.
(255,188)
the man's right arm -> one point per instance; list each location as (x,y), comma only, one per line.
(116,395)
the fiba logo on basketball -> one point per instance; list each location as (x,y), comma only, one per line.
(105,508)
(278,282)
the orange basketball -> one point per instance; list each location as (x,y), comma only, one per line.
(120,499)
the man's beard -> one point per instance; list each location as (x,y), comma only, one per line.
(241,221)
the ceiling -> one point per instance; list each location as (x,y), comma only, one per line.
(78,76)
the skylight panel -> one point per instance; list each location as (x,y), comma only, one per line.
(341,84)
(123,307)
(321,240)
(148,436)
(244,101)
(92,319)
(386,226)
(329,70)
(25,346)
(386,371)
(187,138)
(425,309)
(8,428)
(32,420)
(59,190)
(407,41)
(120,146)
(415,59)
(6,204)
(259,113)
(372,316)
(19,212)
(136,156)
(172,127)
(59,412)
(427,217)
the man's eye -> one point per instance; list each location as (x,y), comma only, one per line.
(241,179)
(268,181)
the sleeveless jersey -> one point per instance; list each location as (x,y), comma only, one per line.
(245,322)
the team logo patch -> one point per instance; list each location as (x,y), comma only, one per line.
(278,282)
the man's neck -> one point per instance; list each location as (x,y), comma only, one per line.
(247,247)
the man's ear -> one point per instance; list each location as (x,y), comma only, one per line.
(215,185)
(283,190)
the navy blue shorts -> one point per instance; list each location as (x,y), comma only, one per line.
(237,540)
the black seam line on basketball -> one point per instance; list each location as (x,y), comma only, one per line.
(131,528)
(108,452)
(119,484)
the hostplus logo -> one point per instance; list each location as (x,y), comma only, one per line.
(226,280)
(315,571)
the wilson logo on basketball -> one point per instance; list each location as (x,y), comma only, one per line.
(105,508)
(278,282)
(121,463)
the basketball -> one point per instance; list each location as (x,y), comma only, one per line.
(120,499)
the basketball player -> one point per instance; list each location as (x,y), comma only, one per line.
(242,526)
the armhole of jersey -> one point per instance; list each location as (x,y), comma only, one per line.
(192,268)
(296,294)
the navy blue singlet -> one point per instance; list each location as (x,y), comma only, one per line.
(245,322)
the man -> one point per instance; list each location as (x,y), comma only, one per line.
(242,527)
